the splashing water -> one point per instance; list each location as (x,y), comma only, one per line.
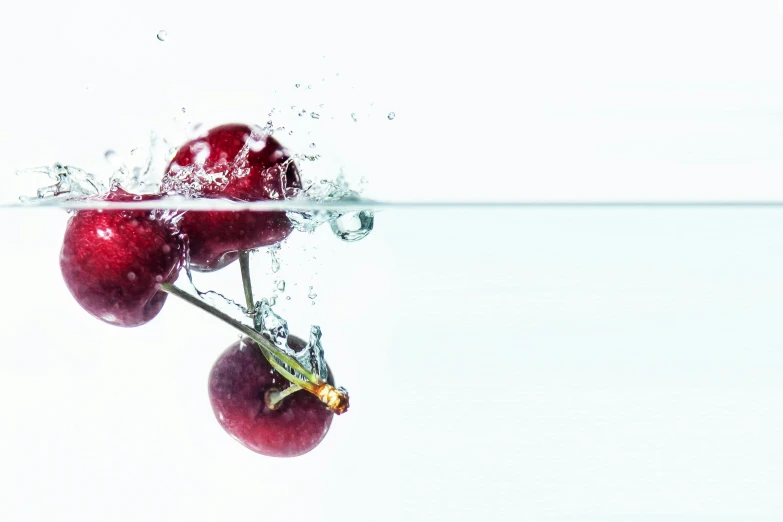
(142,172)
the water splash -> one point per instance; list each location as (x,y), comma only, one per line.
(69,182)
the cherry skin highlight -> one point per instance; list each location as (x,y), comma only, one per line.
(216,237)
(237,384)
(113,262)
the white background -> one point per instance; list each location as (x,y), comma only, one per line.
(590,365)
(604,99)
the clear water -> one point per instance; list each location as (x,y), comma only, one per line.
(504,363)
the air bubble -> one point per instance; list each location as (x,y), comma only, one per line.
(391,116)
(162,35)
(298,85)
(312,145)
(353,226)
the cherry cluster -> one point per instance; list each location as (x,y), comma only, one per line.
(120,266)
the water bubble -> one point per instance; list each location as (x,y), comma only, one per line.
(312,145)
(288,298)
(298,85)
(391,115)
(162,35)
(275,261)
(315,115)
(353,226)
(290,132)
(309,86)
(353,116)
(281,285)
(183,109)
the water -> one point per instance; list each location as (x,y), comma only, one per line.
(504,363)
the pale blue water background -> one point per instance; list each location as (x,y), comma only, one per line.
(558,364)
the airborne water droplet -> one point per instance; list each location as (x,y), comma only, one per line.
(353,226)
(162,35)
(391,115)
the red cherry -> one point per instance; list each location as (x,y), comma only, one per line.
(238,383)
(113,262)
(216,237)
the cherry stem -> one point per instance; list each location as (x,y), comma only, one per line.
(274,397)
(244,266)
(335,399)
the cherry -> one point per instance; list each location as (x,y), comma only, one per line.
(113,262)
(210,165)
(239,386)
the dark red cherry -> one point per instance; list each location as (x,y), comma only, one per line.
(113,262)
(238,383)
(209,164)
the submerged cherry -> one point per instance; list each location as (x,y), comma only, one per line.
(113,262)
(238,384)
(231,162)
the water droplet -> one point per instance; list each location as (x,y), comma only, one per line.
(290,132)
(309,86)
(183,109)
(111,156)
(315,115)
(353,226)
(321,105)
(288,298)
(162,35)
(353,116)
(281,285)
(312,145)
(391,115)
(298,85)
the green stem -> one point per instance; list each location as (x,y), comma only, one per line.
(244,265)
(274,397)
(311,381)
